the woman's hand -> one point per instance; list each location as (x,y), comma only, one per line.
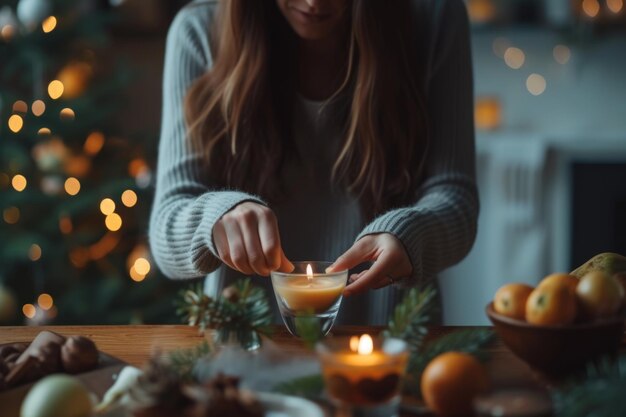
(247,240)
(391,262)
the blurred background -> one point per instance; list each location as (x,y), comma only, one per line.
(80,103)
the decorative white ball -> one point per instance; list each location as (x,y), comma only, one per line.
(57,395)
(33,12)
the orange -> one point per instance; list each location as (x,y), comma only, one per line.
(451,381)
(510,300)
(560,278)
(552,303)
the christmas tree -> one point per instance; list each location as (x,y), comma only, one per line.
(74,194)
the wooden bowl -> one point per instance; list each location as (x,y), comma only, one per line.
(558,350)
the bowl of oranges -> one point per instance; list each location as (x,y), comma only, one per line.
(564,322)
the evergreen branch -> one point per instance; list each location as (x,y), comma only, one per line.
(412,315)
(310,386)
(183,361)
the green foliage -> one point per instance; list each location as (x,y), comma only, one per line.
(309,329)
(412,315)
(183,361)
(599,394)
(310,386)
(243,309)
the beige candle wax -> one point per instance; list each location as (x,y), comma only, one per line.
(310,292)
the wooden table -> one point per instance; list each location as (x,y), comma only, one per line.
(135,344)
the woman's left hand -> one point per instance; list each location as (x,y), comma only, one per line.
(391,262)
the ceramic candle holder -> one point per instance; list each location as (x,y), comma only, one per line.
(309,292)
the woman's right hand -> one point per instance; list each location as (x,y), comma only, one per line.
(247,240)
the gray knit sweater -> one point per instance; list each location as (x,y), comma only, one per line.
(317,221)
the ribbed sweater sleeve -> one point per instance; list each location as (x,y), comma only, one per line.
(186,206)
(439,229)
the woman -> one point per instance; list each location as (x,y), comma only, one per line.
(317,129)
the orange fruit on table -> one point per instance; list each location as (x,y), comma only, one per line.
(510,300)
(560,278)
(451,382)
(552,304)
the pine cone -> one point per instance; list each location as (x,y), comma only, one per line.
(158,393)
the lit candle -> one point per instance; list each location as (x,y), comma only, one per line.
(362,373)
(316,292)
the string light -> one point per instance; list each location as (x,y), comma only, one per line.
(11,215)
(514,57)
(49,24)
(591,8)
(29,310)
(536,84)
(65,225)
(72,186)
(113,222)
(7,32)
(19,182)
(44,131)
(562,54)
(34,252)
(615,6)
(38,107)
(55,89)
(129,198)
(16,123)
(135,276)
(142,266)
(107,206)
(45,301)
(20,106)
(67,114)
(93,143)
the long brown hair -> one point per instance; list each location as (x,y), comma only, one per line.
(239,111)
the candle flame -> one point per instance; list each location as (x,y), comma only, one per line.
(354,343)
(366,345)
(309,272)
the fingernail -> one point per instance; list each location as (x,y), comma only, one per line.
(330,268)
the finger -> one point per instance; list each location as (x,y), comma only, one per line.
(354,277)
(237,248)
(221,244)
(371,277)
(270,240)
(360,252)
(254,250)
(285,264)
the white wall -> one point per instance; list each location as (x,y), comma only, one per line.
(583,108)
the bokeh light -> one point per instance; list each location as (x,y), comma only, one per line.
(67,114)
(135,276)
(142,266)
(11,215)
(113,222)
(93,143)
(38,107)
(562,54)
(20,106)
(34,252)
(29,310)
(49,24)
(65,225)
(514,57)
(129,198)
(19,182)
(72,186)
(55,89)
(16,123)
(45,301)
(591,7)
(44,131)
(536,84)
(107,206)
(615,6)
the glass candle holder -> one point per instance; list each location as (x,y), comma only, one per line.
(309,292)
(363,376)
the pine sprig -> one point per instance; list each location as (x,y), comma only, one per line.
(412,315)
(242,310)
(183,361)
(310,386)
(600,393)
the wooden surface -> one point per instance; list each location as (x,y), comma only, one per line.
(135,344)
